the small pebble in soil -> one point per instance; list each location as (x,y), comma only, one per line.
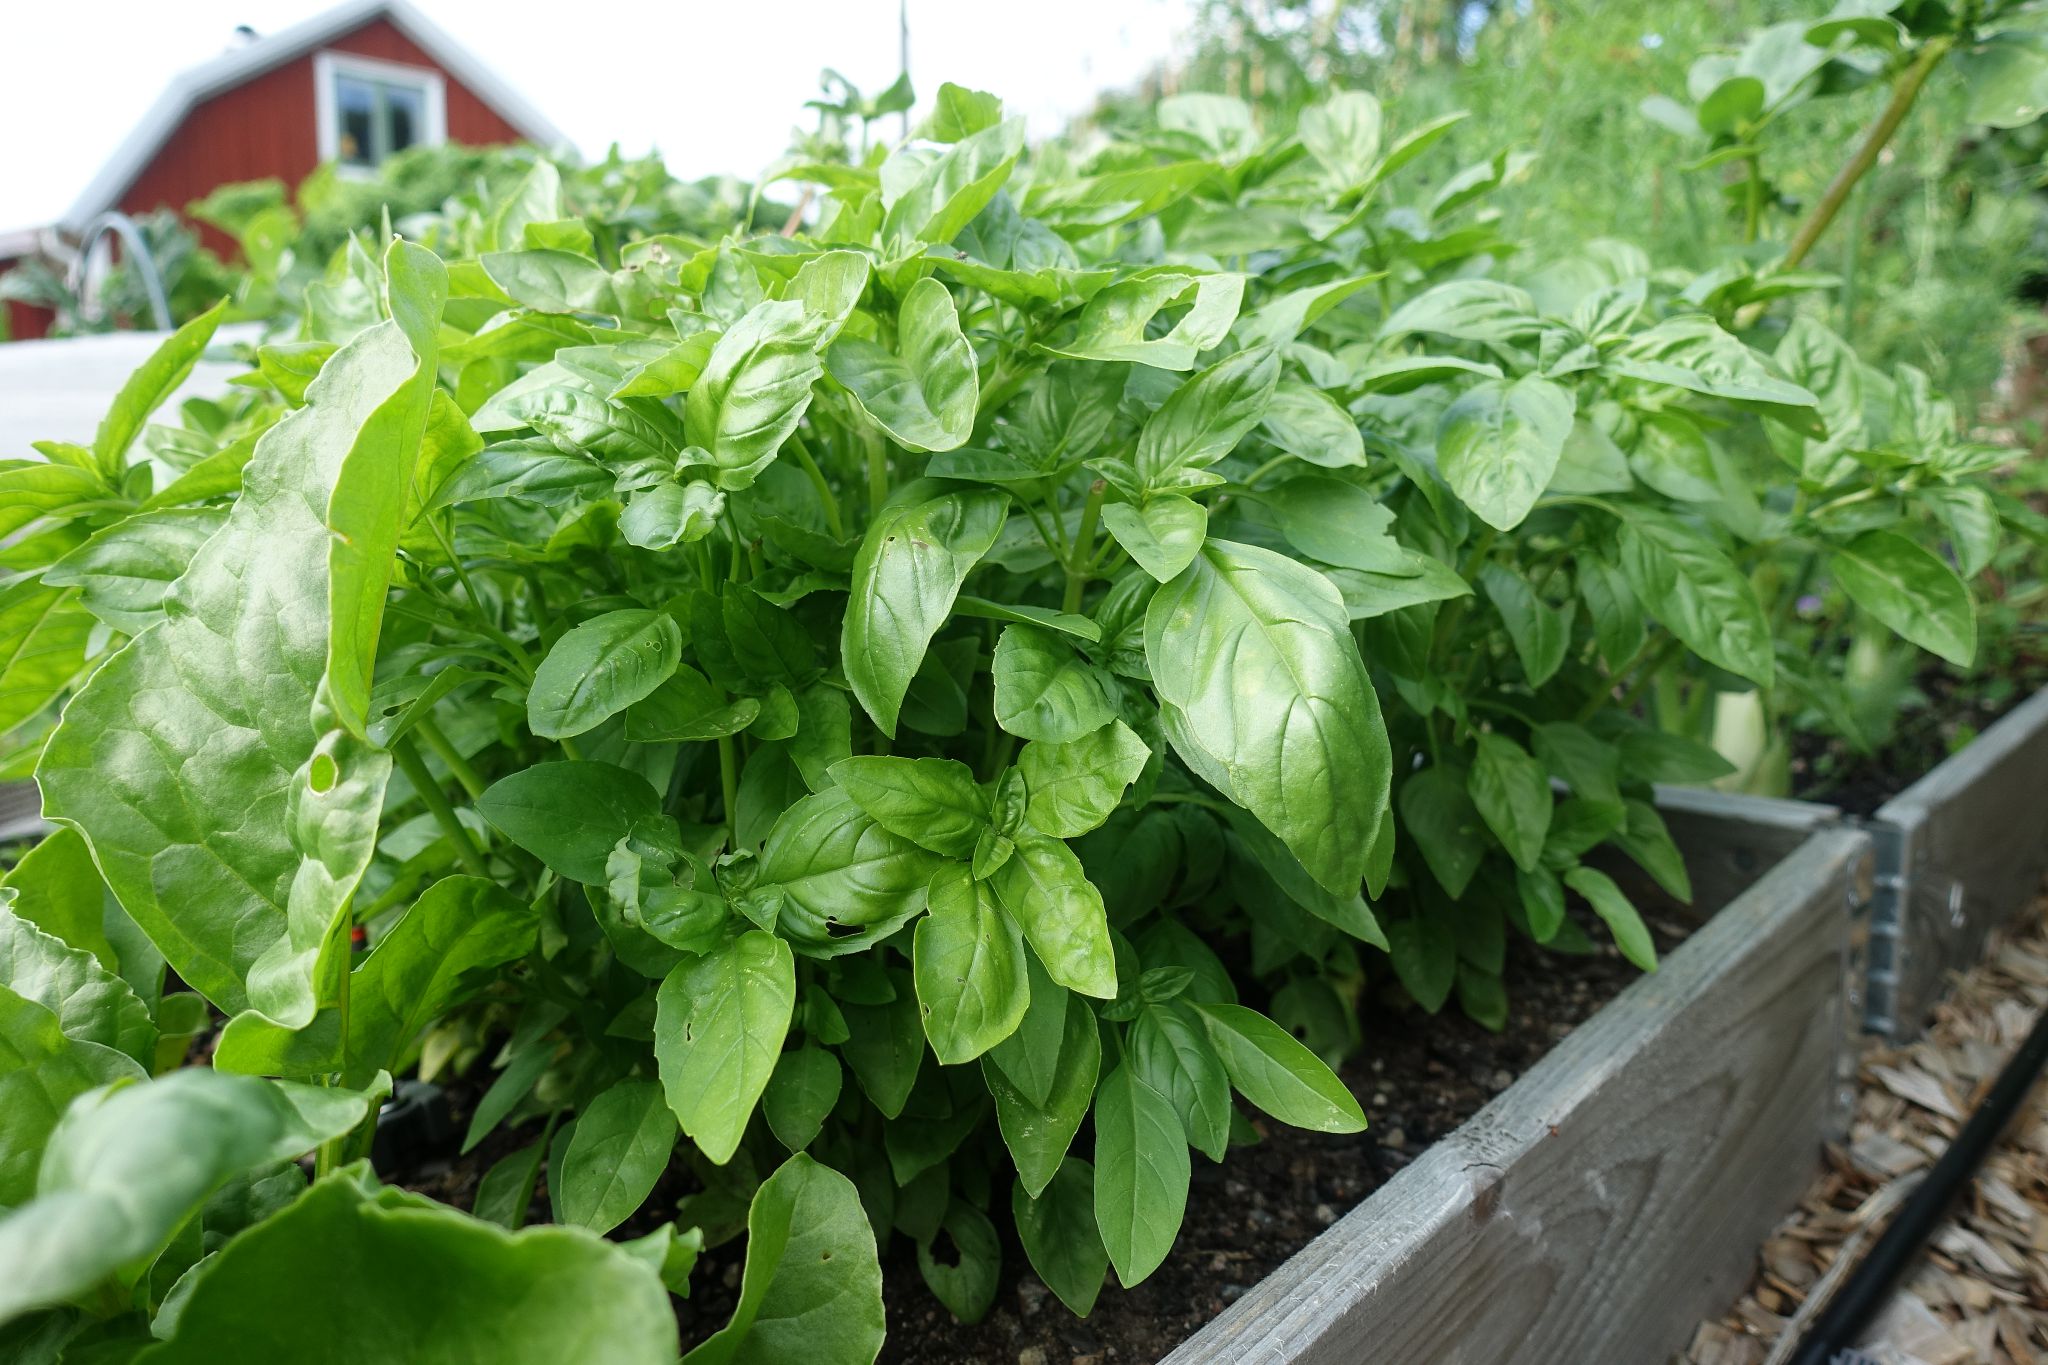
(1325,1214)
(1393,1137)
(1030,1295)
(1031,1355)
(1232,1292)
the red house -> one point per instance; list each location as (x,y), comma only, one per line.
(351,85)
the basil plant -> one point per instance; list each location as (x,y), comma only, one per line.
(932,717)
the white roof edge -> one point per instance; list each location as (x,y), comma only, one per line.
(233,68)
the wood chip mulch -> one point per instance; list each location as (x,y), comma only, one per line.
(1979,1295)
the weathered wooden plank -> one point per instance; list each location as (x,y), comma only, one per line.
(1605,1202)
(1729,839)
(1958,853)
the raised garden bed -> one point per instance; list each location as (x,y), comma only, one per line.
(1617,1190)
(1958,853)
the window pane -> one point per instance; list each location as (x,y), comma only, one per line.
(405,109)
(356,103)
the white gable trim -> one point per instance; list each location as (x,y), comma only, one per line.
(234,68)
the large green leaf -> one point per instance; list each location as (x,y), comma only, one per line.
(1205,418)
(91,1003)
(719,1024)
(845,881)
(1343,134)
(1038,1132)
(925,393)
(230,823)
(1073,787)
(123,571)
(43,636)
(127,1165)
(618,1149)
(41,1071)
(971,986)
(1043,889)
(145,391)
(404,1278)
(1115,325)
(571,815)
(1060,1237)
(1271,1068)
(1169,1048)
(366,511)
(1141,1174)
(1265,696)
(813,1285)
(600,668)
(933,802)
(1499,443)
(1684,580)
(1512,794)
(911,564)
(754,391)
(1044,691)
(1911,590)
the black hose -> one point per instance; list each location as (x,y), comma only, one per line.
(1871,1282)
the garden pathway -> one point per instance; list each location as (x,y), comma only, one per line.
(1979,1296)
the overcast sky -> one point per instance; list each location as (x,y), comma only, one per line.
(716,87)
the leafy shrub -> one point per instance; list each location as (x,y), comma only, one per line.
(850,711)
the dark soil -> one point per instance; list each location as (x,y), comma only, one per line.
(1950,709)
(1419,1078)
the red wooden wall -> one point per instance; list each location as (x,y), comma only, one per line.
(263,129)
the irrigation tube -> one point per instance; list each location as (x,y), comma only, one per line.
(1870,1283)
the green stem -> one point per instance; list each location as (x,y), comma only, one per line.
(472,781)
(1083,548)
(729,787)
(878,474)
(407,756)
(1752,198)
(1904,92)
(827,499)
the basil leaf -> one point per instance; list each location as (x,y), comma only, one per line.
(621,1146)
(969,962)
(1076,786)
(812,1288)
(800,1095)
(1512,794)
(753,392)
(933,802)
(450,1288)
(1043,889)
(911,564)
(1265,696)
(1038,1132)
(1060,1237)
(925,397)
(600,668)
(719,1024)
(1044,692)
(1276,1073)
(1499,443)
(1911,590)
(1141,1174)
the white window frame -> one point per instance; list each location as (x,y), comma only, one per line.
(328,67)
